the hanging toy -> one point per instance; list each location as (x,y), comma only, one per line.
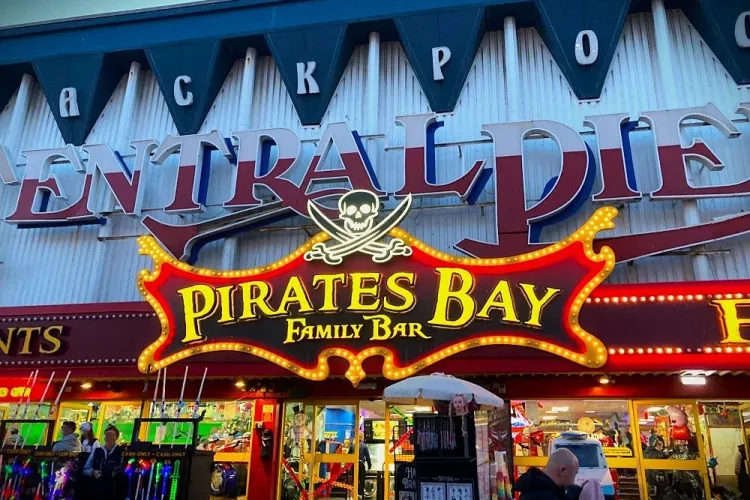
(166,472)
(299,426)
(678,424)
(459,406)
(175,481)
(129,471)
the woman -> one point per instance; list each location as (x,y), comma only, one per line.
(89,442)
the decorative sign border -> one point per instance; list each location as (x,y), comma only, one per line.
(594,356)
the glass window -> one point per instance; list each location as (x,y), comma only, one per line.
(535,423)
(675,485)
(726,461)
(225,427)
(587,454)
(336,429)
(667,432)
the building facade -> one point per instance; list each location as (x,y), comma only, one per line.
(566,184)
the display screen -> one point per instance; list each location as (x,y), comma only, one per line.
(587,454)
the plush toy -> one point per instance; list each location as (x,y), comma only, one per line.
(678,424)
(299,431)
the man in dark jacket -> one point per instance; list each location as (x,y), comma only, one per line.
(550,483)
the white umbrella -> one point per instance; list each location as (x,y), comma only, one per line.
(426,389)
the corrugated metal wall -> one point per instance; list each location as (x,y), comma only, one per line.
(99,263)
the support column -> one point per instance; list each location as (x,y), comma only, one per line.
(691,214)
(229,250)
(512,70)
(122,144)
(373,83)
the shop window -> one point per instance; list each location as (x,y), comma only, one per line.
(675,485)
(667,432)
(29,434)
(722,430)
(226,426)
(535,423)
(100,415)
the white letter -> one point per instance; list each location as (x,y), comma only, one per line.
(69,103)
(581,56)
(304,74)
(182,97)
(740,30)
(440,57)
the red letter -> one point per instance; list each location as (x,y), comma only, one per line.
(511,214)
(194,164)
(125,186)
(419,160)
(39,179)
(612,158)
(253,171)
(673,157)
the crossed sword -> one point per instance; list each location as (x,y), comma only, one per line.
(366,242)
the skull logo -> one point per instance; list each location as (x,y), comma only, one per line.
(358,209)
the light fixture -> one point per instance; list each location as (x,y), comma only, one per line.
(655,409)
(549,417)
(423,409)
(604,380)
(590,411)
(86,385)
(693,379)
(559,409)
(240,384)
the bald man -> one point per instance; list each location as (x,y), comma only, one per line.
(549,484)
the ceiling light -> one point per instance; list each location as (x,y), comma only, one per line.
(693,380)
(549,417)
(604,380)
(590,411)
(86,385)
(655,409)
(240,384)
(559,409)
(423,409)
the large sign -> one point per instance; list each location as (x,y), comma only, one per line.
(365,288)
(262,192)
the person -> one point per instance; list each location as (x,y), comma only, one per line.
(69,440)
(655,451)
(550,483)
(740,470)
(89,442)
(14,438)
(591,490)
(104,466)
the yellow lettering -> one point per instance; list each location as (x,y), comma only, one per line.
(393,286)
(3,392)
(357,328)
(329,282)
(537,305)
(447,295)
(49,336)
(361,290)
(192,298)
(226,303)
(255,295)
(380,326)
(5,346)
(344,332)
(399,330)
(29,332)
(731,321)
(293,328)
(500,298)
(323,332)
(295,293)
(416,329)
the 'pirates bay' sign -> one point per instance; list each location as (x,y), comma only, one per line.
(256,170)
(364,288)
